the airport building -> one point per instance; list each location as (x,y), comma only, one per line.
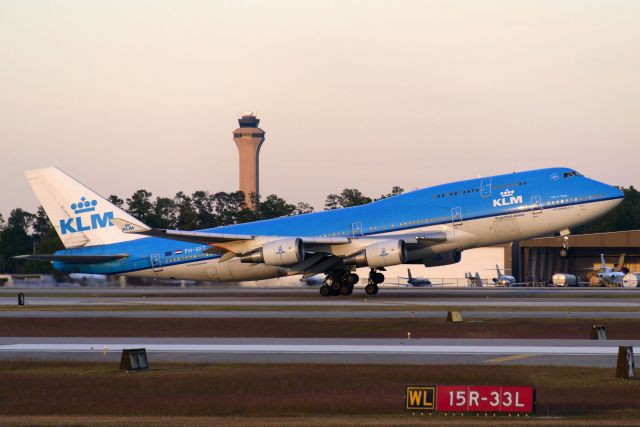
(539,259)
(249,138)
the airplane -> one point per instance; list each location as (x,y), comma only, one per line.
(416,281)
(503,279)
(609,276)
(430,226)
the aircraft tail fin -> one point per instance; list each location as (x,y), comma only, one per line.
(603,264)
(498,271)
(620,265)
(409,273)
(80,216)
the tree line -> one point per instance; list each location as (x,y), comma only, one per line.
(25,232)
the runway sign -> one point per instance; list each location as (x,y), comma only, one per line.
(420,398)
(463,398)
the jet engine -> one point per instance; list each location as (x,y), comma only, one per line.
(380,254)
(446,258)
(278,252)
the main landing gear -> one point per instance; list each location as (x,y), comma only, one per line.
(339,283)
(342,282)
(375,278)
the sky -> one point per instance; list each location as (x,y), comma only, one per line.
(124,95)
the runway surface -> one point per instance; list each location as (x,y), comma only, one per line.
(390,351)
(302,314)
(327,302)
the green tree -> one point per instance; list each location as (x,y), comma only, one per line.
(274,207)
(204,205)
(302,208)
(163,213)
(16,240)
(396,190)
(115,200)
(231,208)
(186,217)
(140,205)
(349,197)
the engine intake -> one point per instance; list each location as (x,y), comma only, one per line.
(277,252)
(380,254)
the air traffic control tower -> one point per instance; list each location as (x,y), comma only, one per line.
(249,138)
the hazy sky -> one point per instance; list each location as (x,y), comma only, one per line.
(125,95)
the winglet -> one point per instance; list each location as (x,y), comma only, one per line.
(128,227)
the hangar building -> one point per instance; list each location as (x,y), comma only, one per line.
(539,259)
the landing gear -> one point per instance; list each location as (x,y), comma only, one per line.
(371,289)
(325,290)
(339,283)
(375,278)
(564,252)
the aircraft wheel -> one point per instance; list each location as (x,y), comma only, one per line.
(346,290)
(335,286)
(325,290)
(350,279)
(371,289)
(377,278)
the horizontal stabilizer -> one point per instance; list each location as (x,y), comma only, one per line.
(183,236)
(73,259)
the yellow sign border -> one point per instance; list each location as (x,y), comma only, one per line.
(431,407)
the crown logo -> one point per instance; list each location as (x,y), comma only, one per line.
(507,193)
(84,205)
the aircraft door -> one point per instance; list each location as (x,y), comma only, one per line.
(536,205)
(485,187)
(356,229)
(156,264)
(456,216)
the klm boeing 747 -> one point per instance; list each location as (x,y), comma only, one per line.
(431,226)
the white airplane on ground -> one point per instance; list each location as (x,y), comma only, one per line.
(609,276)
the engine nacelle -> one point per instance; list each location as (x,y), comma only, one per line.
(442,259)
(380,254)
(278,252)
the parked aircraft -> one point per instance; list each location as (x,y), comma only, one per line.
(609,276)
(431,226)
(503,279)
(416,281)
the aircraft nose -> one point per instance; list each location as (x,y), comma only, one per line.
(612,192)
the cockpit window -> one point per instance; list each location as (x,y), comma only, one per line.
(572,173)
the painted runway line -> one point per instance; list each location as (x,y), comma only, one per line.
(315,349)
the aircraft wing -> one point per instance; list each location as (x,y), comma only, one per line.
(423,239)
(323,253)
(73,259)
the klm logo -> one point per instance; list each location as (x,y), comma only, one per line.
(507,199)
(84,222)
(384,252)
